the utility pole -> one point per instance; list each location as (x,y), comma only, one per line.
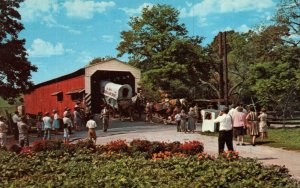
(225,69)
(221,79)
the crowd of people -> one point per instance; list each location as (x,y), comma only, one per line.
(234,123)
(48,124)
(238,122)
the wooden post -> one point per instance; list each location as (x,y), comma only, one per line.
(221,79)
(225,69)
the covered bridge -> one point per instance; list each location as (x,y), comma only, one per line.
(80,87)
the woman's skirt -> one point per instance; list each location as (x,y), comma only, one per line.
(253,128)
(56,124)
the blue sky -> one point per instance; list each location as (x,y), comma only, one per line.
(65,35)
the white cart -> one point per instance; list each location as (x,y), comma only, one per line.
(208,117)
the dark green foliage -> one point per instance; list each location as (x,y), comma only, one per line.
(15,69)
(59,169)
(160,46)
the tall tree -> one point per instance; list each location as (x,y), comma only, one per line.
(160,47)
(275,75)
(288,14)
(15,69)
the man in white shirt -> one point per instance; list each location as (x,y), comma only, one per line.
(91,125)
(225,131)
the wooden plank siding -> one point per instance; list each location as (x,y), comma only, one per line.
(41,100)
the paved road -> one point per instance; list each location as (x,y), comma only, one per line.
(158,132)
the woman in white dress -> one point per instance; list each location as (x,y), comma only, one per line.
(263,127)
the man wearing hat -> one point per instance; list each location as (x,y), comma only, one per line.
(3,131)
(225,132)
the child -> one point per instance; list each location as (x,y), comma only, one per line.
(91,125)
(67,124)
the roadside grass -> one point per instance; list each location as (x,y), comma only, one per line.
(3,103)
(285,138)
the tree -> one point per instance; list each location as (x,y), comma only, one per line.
(160,47)
(15,69)
(288,14)
(275,75)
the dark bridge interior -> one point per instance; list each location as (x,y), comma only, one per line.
(118,77)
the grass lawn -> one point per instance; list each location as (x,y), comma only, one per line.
(287,138)
(3,103)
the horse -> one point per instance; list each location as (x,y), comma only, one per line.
(162,110)
(177,105)
(130,106)
(126,107)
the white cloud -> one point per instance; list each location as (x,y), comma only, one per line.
(37,9)
(41,48)
(228,28)
(132,11)
(107,38)
(243,28)
(207,7)
(267,16)
(86,9)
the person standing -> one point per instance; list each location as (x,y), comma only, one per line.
(239,125)
(191,120)
(78,120)
(253,126)
(56,124)
(15,120)
(225,132)
(183,117)
(91,125)
(178,120)
(67,113)
(40,124)
(263,127)
(23,128)
(105,118)
(67,123)
(47,126)
(3,132)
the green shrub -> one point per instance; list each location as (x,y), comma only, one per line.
(58,168)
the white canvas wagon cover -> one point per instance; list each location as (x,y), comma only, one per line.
(116,91)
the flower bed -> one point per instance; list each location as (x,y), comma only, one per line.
(117,165)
